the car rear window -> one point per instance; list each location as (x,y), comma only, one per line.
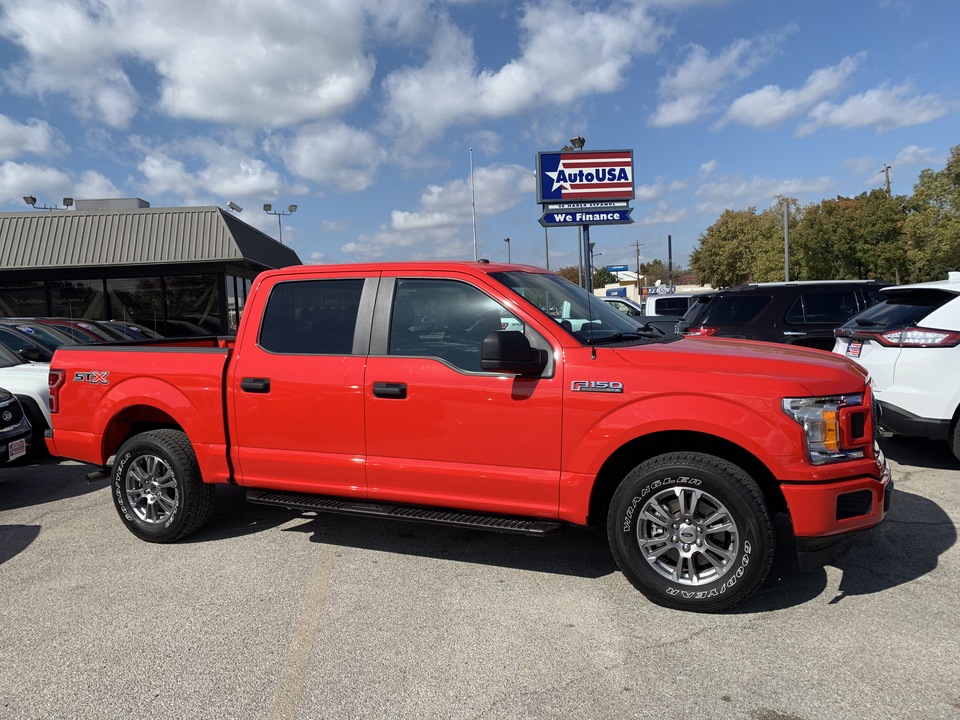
(730,309)
(900,309)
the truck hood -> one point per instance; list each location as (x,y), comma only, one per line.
(818,371)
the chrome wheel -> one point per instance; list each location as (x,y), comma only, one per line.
(151,489)
(687,536)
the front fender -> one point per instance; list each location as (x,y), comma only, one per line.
(759,431)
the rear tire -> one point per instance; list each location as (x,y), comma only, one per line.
(157,488)
(691,532)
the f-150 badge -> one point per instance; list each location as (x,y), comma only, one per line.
(601,386)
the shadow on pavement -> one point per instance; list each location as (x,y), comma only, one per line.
(14,539)
(576,552)
(919,452)
(44,481)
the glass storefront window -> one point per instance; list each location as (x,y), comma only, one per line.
(138,300)
(194,301)
(23,299)
(77,299)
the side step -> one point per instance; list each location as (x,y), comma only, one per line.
(477,521)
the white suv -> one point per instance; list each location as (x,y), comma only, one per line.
(910,345)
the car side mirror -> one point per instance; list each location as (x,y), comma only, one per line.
(509,351)
(30,354)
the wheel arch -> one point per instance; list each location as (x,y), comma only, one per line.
(631,454)
(132,420)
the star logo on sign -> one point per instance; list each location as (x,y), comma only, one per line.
(553,176)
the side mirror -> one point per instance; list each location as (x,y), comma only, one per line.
(30,354)
(509,351)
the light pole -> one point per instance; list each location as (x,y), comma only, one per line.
(32,202)
(268,209)
(507,241)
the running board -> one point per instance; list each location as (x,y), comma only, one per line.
(477,521)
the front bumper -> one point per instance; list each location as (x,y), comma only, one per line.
(825,513)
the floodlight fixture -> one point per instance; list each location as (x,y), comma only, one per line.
(30,200)
(268,209)
(233,206)
(577,142)
(68,202)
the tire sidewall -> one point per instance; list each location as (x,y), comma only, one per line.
(130,452)
(753,551)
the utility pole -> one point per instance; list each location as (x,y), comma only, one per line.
(636,247)
(886,174)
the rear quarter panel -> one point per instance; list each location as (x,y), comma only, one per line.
(106,390)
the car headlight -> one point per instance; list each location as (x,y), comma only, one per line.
(834,427)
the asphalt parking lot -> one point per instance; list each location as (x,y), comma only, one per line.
(267,614)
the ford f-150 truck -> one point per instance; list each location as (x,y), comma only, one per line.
(486,396)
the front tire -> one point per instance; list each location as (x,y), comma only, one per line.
(691,532)
(157,488)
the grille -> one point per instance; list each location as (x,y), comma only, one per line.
(13,407)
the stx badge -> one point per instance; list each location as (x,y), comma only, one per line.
(94,377)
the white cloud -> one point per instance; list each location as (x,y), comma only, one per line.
(193,167)
(664,214)
(441,227)
(884,108)
(735,192)
(566,54)
(707,169)
(50,185)
(334,154)
(690,91)
(913,156)
(35,137)
(770,106)
(72,48)
(270,64)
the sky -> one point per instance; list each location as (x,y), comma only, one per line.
(409,129)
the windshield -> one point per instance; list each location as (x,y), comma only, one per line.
(583,315)
(9,359)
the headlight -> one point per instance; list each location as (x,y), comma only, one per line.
(829,426)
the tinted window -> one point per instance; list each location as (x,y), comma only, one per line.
(445,319)
(312,317)
(731,309)
(830,308)
(900,309)
(672,305)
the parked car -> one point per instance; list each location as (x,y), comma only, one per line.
(798,313)
(661,312)
(31,340)
(910,344)
(15,431)
(80,329)
(28,381)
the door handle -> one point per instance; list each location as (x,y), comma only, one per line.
(255,385)
(396,391)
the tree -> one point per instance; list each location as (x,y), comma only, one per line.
(932,226)
(601,277)
(729,250)
(571,273)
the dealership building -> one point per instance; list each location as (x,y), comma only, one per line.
(178,271)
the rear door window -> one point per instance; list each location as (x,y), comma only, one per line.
(830,307)
(732,309)
(312,317)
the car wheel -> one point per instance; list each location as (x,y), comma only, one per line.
(691,531)
(157,488)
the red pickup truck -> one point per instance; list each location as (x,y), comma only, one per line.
(486,396)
